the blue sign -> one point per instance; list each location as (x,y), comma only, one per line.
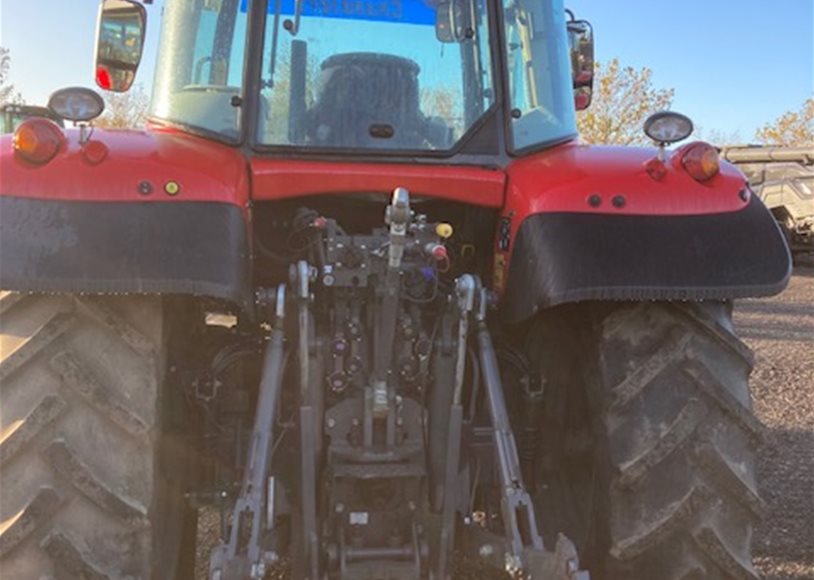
(401,11)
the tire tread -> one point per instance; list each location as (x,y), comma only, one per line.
(82,379)
(694,358)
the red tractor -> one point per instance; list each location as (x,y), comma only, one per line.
(359,289)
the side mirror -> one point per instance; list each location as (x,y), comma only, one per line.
(119,44)
(453,21)
(581,39)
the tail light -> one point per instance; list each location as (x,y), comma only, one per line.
(701,161)
(38,140)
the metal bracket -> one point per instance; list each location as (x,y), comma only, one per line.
(466,287)
(480,544)
(398,217)
(241,558)
(524,555)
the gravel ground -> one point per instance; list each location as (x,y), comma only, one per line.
(781,332)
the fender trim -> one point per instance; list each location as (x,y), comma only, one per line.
(198,248)
(572,257)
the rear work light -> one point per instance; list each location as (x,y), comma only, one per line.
(701,161)
(38,140)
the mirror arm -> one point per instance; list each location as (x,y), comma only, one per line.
(453,20)
(275,36)
(294,27)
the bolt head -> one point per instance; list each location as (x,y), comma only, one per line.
(258,571)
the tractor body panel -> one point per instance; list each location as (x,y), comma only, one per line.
(136,168)
(554,242)
(564,179)
(567,257)
(277,179)
(113,227)
(589,223)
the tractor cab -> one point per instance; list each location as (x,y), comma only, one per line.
(398,77)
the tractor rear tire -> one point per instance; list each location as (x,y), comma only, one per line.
(668,487)
(84,472)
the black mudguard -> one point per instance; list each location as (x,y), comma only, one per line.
(560,258)
(196,248)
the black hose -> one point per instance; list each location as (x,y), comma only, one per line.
(473,401)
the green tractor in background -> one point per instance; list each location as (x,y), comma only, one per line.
(12,115)
(783,177)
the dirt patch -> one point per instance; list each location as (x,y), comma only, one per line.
(781,332)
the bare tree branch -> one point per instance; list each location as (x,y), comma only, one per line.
(8,94)
(623,99)
(125,110)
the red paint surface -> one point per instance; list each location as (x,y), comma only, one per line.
(205,170)
(281,179)
(558,180)
(563,179)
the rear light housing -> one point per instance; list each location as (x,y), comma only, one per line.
(38,140)
(701,161)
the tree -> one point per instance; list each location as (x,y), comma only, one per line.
(443,102)
(623,99)
(794,128)
(125,110)
(8,94)
(717,137)
(277,95)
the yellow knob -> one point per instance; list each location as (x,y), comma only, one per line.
(172,188)
(443,230)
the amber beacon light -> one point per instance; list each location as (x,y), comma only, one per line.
(701,161)
(38,140)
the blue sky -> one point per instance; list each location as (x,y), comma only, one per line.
(735,64)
